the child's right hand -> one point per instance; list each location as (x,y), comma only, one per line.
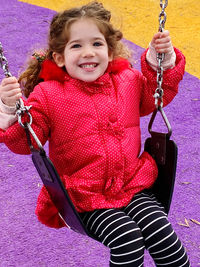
(10,91)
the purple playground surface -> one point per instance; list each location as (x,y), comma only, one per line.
(24,241)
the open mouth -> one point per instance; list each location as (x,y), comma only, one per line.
(88,65)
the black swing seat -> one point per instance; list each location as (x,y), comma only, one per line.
(57,191)
(166,160)
(164,151)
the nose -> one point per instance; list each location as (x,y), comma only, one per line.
(88,52)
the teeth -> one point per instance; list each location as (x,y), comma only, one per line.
(88,66)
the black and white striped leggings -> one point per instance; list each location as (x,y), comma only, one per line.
(128,231)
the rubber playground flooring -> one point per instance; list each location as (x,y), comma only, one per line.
(23,240)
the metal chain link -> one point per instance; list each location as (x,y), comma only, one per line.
(21,109)
(160,57)
(4,63)
(162,15)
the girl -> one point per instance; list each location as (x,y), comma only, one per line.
(86,101)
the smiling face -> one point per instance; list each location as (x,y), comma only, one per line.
(86,54)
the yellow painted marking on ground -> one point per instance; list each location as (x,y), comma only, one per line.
(138,21)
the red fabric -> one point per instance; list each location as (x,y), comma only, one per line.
(56,73)
(50,71)
(46,211)
(94,134)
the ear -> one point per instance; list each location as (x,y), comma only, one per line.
(59,59)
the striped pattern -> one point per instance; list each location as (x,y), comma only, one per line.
(127,232)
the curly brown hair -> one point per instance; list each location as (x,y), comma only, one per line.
(59,36)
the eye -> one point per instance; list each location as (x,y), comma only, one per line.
(97,44)
(76,46)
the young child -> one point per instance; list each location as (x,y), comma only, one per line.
(86,101)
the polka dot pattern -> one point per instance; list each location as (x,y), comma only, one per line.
(94,136)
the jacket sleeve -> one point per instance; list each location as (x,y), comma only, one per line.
(15,137)
(148,82)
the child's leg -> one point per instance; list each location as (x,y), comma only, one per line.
(159,237)
(117,231)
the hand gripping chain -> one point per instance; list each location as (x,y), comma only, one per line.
(20,108)
(159,91)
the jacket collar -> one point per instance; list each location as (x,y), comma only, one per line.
(50,71)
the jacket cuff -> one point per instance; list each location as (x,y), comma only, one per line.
(168,62)
(6,120)
(7,116)
(7,109)
(171,77)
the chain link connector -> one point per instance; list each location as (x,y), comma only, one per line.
(158,97)
(20,112)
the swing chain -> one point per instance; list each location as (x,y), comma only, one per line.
(4,63)
(162,15)
(20,108)
(160,57)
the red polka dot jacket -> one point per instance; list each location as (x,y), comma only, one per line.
(93,131)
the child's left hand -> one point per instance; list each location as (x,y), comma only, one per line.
(162,42)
